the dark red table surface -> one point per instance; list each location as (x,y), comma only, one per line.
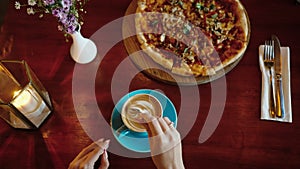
(241,139)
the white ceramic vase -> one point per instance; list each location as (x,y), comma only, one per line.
(82,50)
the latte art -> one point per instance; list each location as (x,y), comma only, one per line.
(141,103)
(135,109)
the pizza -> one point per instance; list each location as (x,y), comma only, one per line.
(192,37)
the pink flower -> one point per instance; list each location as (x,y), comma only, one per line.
(67,12)
(66,5)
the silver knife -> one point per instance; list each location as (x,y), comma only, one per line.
(278,78)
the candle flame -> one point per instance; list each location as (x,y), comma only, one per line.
(16,93)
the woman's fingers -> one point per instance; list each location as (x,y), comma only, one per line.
(153,124)
(89,155)
(167,120)
(103,144)
(94,155)
(104,161)
(156,126)
(86,150)
(164,126)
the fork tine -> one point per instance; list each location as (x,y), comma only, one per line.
(265,51)
(270,51)
(272,55)
(266,54)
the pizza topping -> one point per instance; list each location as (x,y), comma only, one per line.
(162,37)
(186,29)
(182,30)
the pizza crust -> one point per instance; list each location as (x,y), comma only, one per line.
(242,20)
(139,22)
(157,57)
(183,69)
(229,61)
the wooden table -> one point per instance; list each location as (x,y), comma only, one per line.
(241,139)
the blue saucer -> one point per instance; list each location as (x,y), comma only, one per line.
(134,141)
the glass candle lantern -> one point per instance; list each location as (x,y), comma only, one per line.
(24,102)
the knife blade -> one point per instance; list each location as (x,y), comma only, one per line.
(278,78)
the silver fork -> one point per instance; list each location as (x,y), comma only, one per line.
(269,63)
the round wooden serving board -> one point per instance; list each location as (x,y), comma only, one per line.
(151,68)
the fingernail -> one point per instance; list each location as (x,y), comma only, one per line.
(106,144)
(100,140)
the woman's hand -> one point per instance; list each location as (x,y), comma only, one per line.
(165,142)
(88,156)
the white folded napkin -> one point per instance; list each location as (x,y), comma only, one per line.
(265,115)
